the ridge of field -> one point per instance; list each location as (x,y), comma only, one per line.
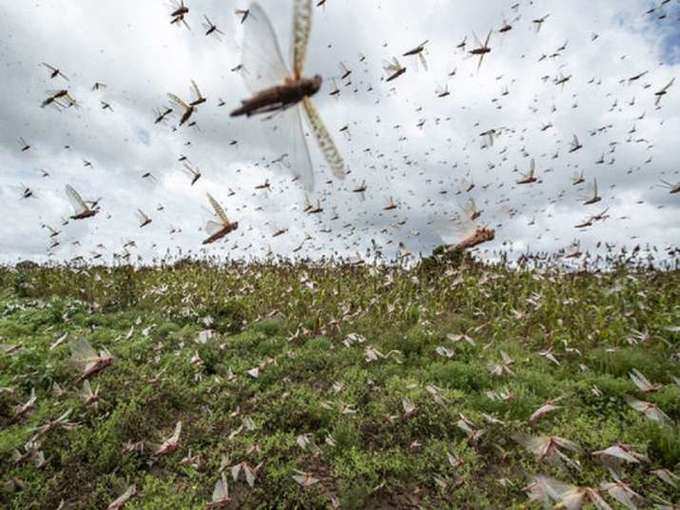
(349,385)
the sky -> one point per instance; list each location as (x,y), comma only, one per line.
(409,143)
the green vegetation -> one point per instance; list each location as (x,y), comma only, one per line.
(362,376)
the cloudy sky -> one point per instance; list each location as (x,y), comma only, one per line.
(409,142)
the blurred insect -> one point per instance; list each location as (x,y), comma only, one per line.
(218,229)
(22,143)
(642,382)
(61,422)
(26,192)
(506,27)
(250,473)
(53,232)
(564,495)
(418,53)
(667,476)
(161,114)
(481,49)
(189,108)
(473,432)
(361,188)
(54,72)
(529,177)
(393,69)
(594,198)
(275,89)
(575,144)
(542,411)
(200,99)
(391,205)
(491,136)
(562,80)
(22,410)
(549,448)
(81,208)
(120,501)
(211,28)
(618,453)
(59,98)
(443,91)
(467,184)
(170,444)
(466,233)
(472,213)
(336,91)
(265,185)
(305,479)
(503,367)
(144,220)
(178,13)
(650,410)
(87,360)
(220,495)
(345,71)
(636,77)
(663,92)
(578,178)
(89,396)
(179,8)
(243,13)
(674,188)
(623,493)
(313,209)
(194,173)
(538,22)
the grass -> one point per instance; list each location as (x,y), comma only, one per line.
(310,329)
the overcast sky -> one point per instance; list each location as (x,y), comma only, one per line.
(402,138)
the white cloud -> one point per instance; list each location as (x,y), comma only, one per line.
(132,47)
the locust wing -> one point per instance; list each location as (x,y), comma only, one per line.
(219,211)
(670,84)
(471,211)
(212,227)
(196,90)
(326,144)
(477,41)
(82,353)
(300,162)
(450,228)
(261,57)
(76,201)
(302,25)
(221,490)
(423,61)
(391,66)
(179,102)
(488,38)
(118,503)
(453,228)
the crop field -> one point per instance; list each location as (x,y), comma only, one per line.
(338,386)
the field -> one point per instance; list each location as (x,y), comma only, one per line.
(338,386)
